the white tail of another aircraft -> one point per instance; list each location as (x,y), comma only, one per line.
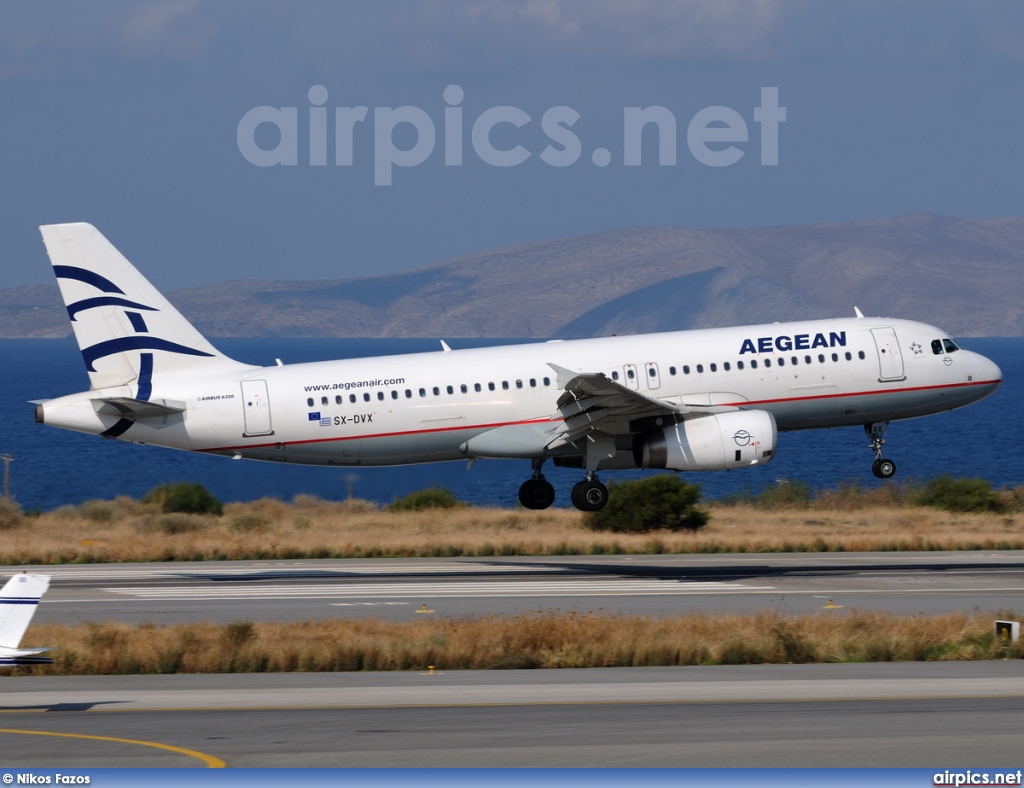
(127,331)
(19,599)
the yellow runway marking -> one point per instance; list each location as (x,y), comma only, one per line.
(209,760)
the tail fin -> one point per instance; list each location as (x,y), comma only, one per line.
(19,599)
(125,328)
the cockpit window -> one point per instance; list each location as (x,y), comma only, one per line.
(937,347)
(950,345)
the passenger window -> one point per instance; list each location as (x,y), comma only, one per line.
(767,362)
(352,398)
(849,356)
(394,395)
(504,385)
(739,365)
(547,381)
(309,402)
(629,374)
(519,384)
(937,347)
(725,366)
(463,388)
(782,362)
(686,369)
(533,383)
(380,395)
(714,367)
(671,370)
(437,391)
(450,389)
(323,400)
(794,361)
(700,368)
(423,392)
(366,396)
(477,387)
(615,374)
(753,364)
(821,358)
(807,359)
(337,399)
(490,387)
(860,354)
(835,356)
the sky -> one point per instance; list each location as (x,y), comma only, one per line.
(212,141)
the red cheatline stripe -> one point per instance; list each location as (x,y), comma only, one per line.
(743,404)
(386,434)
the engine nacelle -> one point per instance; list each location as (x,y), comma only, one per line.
(710,443)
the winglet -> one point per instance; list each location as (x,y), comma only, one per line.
(19,599)
(444,347)
(860,315)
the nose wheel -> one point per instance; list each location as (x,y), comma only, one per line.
(881,467)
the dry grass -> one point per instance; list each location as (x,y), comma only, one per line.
(125,530)
(536,640)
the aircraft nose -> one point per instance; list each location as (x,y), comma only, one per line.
(989,372)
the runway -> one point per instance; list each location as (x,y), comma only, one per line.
(395,589)
(932,715)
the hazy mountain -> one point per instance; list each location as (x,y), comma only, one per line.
(965,275)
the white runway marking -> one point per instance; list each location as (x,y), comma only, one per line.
(270,572)
(624,587)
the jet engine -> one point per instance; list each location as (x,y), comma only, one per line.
(709,443)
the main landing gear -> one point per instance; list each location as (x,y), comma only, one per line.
(536,492)
(589,495)
(881,467)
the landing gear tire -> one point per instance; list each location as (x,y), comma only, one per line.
(536,494)
(589,495)
(883,469)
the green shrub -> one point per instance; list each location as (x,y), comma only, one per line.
(101,512)
(184,497)
(960,495)
(430,498)
(11,515)
(249,522)
(784,494)
(658,502)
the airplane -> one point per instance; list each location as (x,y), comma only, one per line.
(19,599)
(697,400)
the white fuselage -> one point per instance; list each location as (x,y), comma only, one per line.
(393,410)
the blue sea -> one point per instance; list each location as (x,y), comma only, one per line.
(53,467)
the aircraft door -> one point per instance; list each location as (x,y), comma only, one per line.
(630,376)
(653,379)
(890,359)
(256,402)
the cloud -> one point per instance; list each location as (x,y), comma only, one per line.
(175,28)
(674,29)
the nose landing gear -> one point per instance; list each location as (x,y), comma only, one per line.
(881,467)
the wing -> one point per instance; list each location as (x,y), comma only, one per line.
(591,402)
